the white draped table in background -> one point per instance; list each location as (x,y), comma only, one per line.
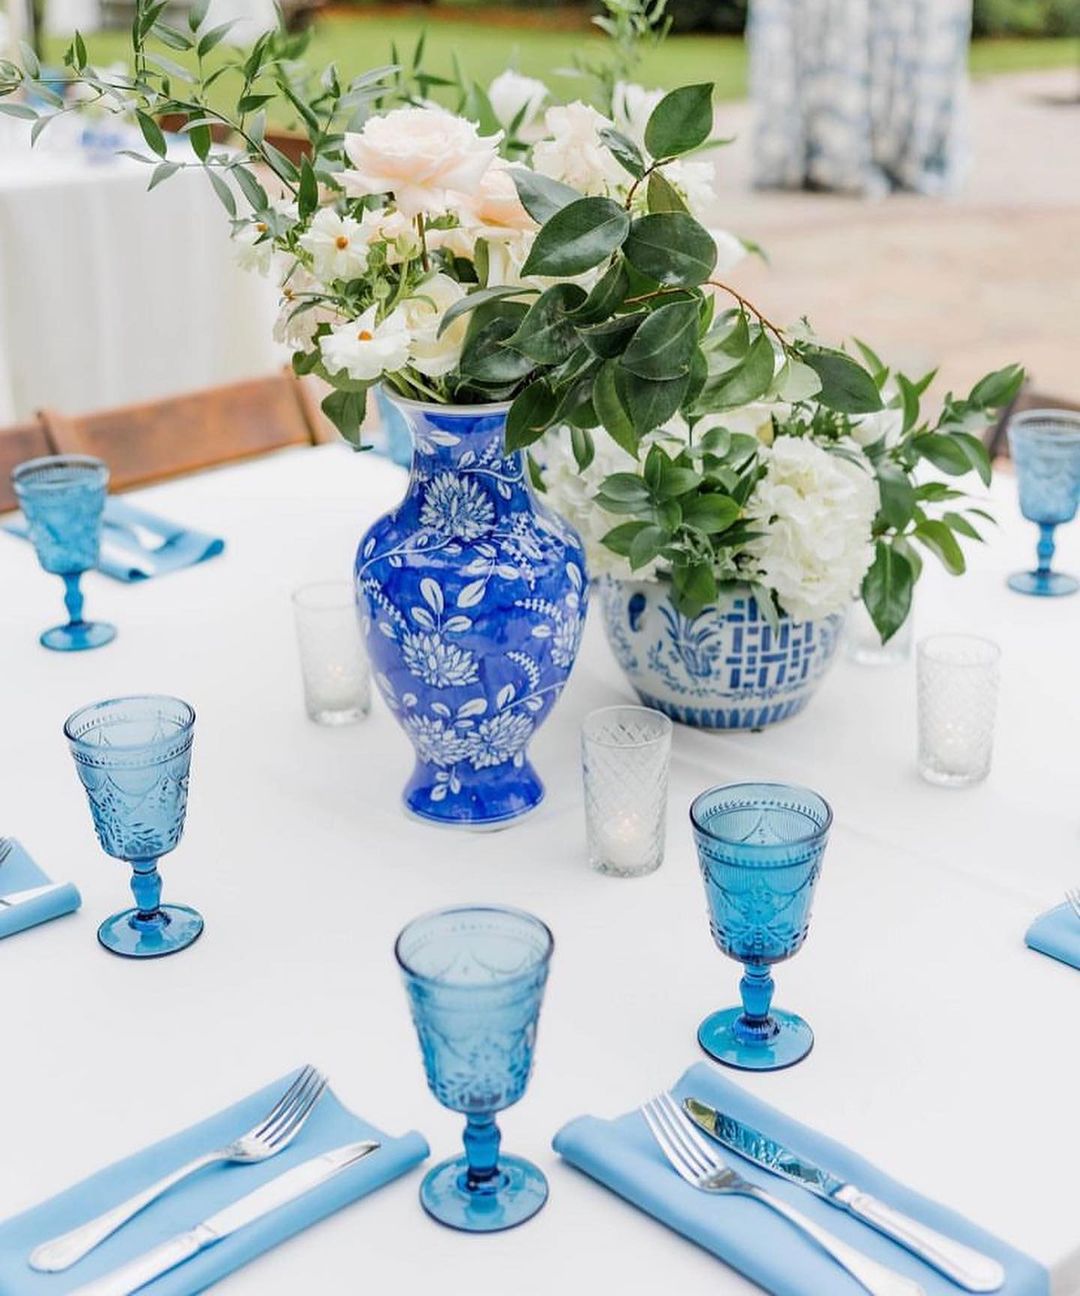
(946,1052)
(109,294)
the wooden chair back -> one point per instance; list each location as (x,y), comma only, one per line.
(182,434)
(17,444)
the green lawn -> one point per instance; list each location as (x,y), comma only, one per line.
(359,42)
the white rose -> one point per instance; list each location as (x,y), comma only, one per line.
(422,156)
(433,355)
(632,106)
(366,350)
(575,154)
(816,511)
(337,246)
(886,425)
(511,94)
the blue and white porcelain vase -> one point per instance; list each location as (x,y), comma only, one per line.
(472,594)
(727,667)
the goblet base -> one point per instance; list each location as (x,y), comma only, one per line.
(121,935)
(1045,584)
(791,1042)
(79,636)
(514,1196)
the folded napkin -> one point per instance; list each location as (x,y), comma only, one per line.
(18,872)
(756,1241)
(1057,933)
(136,545)
(329,1126)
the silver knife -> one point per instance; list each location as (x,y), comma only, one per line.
(21,897)
(285,1188)
(967,1268)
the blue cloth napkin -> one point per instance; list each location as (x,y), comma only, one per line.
(623,1156)
(124,555)
(1057,933)
(18,872)
(329,1126)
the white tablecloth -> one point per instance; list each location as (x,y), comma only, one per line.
(946,1051)
(109,294)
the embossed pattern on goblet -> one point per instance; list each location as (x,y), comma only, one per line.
(1045,448)
(760,848)
(475,979)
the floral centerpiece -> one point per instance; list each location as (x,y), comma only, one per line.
(522,274)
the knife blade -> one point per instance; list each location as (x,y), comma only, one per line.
(21,897)
(966,1267)
(129,1278)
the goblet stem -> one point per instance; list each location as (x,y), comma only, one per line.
(1045,548)
(756,1026)
(73,598)
(146,888)
(482,1140)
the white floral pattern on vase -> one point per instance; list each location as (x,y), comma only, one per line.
(726,668)
(473,598)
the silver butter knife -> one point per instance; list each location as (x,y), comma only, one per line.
(966,1267)
(21,897)
(285,1188)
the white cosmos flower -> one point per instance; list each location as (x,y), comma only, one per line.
(816,511)
(254,249)
(366,350)
(632,106)
(574,153)
(423,156)
(295,327)
(510,94)
(337,246)
(433,355)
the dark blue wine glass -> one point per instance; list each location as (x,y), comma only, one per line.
(1045,447)
(475,979)
(133,755)
(760,847)
(62,498)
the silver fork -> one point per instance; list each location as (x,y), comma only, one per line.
(692,1158)
(1073,898)
(266,1139)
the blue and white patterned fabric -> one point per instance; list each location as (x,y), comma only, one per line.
(723,669)
(860,96)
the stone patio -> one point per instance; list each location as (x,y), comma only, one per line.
(967,283)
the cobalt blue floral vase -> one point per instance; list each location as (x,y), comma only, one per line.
(727,667)
(472,594)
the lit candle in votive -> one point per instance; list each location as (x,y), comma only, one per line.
(623,842)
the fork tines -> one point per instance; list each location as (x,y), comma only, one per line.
(679,1141)
(293,1106)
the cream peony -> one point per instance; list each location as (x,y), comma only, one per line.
(337,245)
(422,156)
(575,153)
(816,510)
(510,94)
(632,106)
(366,350)
(433,355)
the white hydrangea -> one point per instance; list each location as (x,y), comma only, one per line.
(632,106)
(574,152)
(816,511)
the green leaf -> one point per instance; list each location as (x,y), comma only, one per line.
(582,445)
(611,411)
(796,382)
(162,172)
(251,189)
(481,297)
(529,416)
(646,545)
(944,452)
(671,248)
(542,198)
(650,403)
(625,488)
(201,141)
(346,409)
(887,589)
(30,60)
(612,337)
(845,384)
(620,538)
(252,103)
(909,397)
(664,344)
(282,165)
(662,196)
(488,359)
(577,238)
(999,388)
(213,37)
(746,383)
(79,46)
(676,481)
(307,197)
(694,587)
(681,121)
(958,523)
(625,151)
(170,36)
(977,454)
(546,335)
(607,295)
(18,110)
(897,495)
(151,132)
(710,513)
(941,542)
(225,195)
(875,363)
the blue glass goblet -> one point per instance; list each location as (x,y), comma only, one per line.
(62,498)
(133,755)
(760,847)
(475,979)
(1045,447)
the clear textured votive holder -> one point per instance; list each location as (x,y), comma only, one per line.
(957,690)
(863,643)
(626,753)
(333,660)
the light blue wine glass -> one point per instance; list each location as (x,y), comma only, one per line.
(760,847)
(1045,447)
(475,979)
(133,755)
(62,498)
